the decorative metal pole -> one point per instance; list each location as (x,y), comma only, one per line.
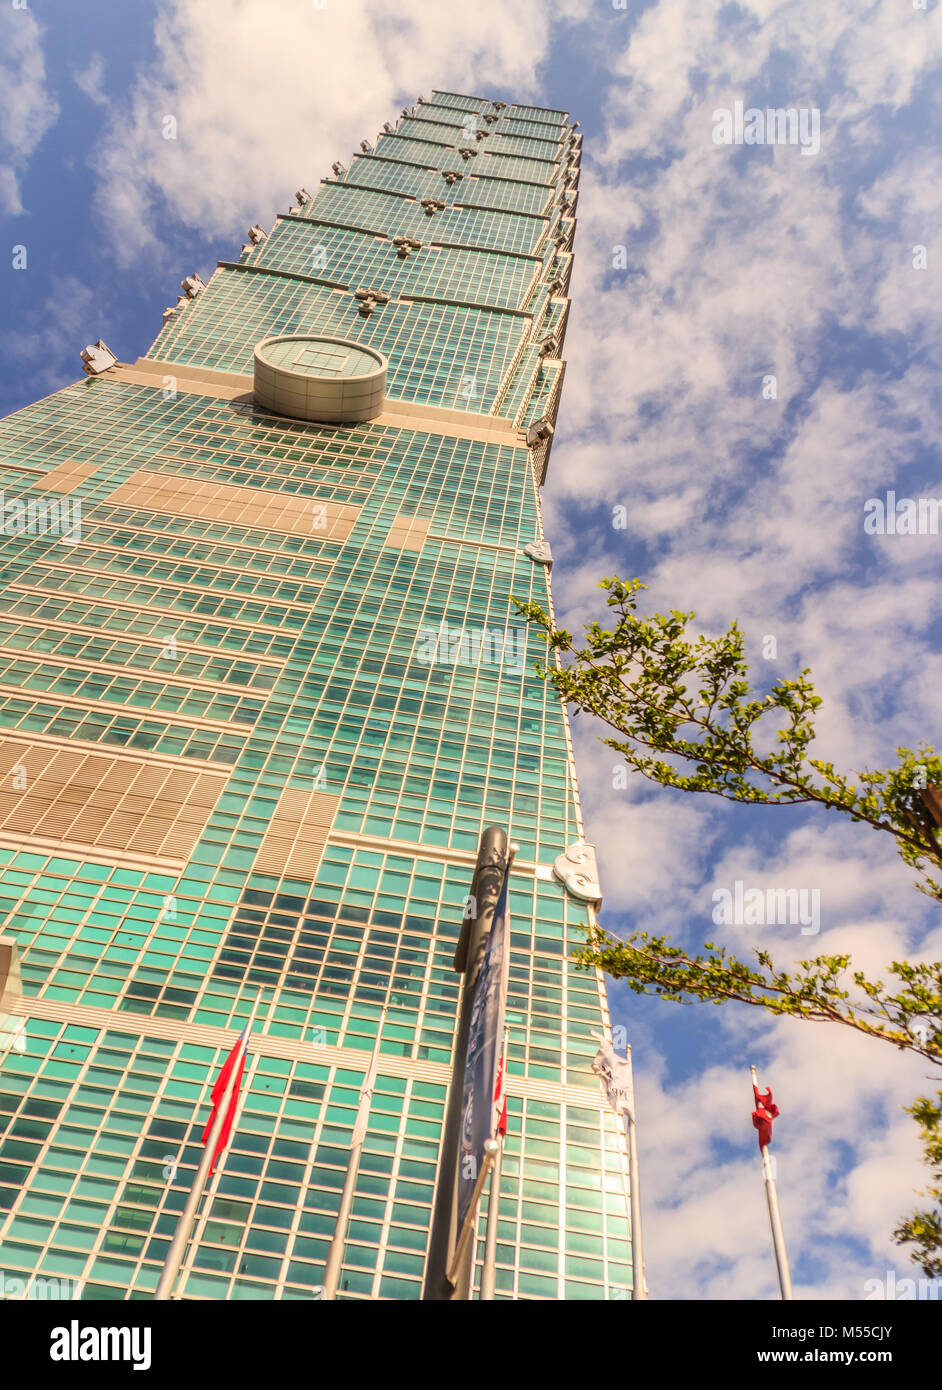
(489,873)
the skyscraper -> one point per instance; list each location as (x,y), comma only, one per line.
(262,687)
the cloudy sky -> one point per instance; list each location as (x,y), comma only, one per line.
(702,270)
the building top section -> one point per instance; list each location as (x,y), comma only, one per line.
(443,250)
(461,100)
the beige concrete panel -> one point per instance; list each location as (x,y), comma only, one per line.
(241,506)
(408,532)
(66,476)
(105,802)
(296,836)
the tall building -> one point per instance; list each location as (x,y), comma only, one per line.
(262,686)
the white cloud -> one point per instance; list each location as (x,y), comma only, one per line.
(266,97)
(848,1157)
(706,1224)
(90,78)
(52,333)
(742,263)
(27,109)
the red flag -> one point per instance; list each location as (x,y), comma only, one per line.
(218,1092)
(765,1112)
(500,1099)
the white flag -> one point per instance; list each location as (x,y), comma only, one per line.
(615,1072)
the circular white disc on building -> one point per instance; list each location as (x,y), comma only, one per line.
(329,380)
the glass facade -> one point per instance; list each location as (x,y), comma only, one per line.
(229,766)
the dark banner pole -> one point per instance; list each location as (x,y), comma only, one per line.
(488,880)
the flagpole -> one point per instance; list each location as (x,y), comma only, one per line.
(489,1271)
(181,1235)
(335,1251)
(775,1219)
(492,1148)
(639,1288)
(616,1077)
(212,1187)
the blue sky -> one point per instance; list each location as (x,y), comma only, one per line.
(741,262)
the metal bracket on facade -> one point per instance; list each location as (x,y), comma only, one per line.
(96,358)
(539,551)
(539,432)
(368,300)
(405,244)
(578,870)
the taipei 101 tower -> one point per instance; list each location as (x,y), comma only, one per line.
(263,688)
